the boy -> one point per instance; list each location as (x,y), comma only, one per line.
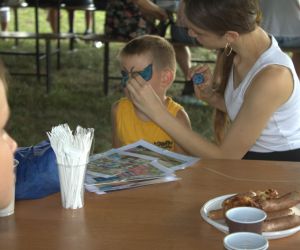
(153,58)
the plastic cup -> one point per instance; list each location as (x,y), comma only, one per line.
(245,219)
(245,241)
(71,179)
(10,209)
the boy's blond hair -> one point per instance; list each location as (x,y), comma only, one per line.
(161,51)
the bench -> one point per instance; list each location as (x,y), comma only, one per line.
(106,42)
(47,37)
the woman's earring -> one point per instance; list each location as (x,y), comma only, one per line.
(228,49)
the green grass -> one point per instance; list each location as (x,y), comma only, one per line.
(76,97)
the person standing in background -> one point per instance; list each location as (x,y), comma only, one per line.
(71,7)
(181,41)
(52,19)
(127,19)
(179,34)
(282,20)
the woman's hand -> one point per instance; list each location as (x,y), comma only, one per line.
(143,96)
(203,91)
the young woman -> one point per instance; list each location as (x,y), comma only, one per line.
(254,84)
(7,148)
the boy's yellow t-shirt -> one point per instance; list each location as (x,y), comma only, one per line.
(130,128)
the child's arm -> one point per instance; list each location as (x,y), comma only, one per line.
(6,184)
(183,117)
(115,139)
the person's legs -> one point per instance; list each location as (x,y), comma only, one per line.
(4,25)
(88,21)
(183,57)
(52,19)
(71,20)
(183,54)
(5,17)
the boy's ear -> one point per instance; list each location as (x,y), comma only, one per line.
(167,78)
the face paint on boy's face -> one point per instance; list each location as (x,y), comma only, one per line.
(146,74)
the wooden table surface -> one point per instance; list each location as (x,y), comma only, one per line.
(162,216)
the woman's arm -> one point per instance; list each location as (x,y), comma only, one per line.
(146,100)
(150,8)
(182,117)
(270,89)
(6,173)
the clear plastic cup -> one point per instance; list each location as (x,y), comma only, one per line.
(71,179)
(10,209)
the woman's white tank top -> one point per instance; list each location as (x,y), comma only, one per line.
(282,132)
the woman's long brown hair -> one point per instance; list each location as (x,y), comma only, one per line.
(220,79)
(220,16)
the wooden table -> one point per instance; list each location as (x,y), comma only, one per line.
(163,216)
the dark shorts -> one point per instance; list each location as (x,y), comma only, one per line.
(180,34)
(100,4)
(290,155)
(288,42)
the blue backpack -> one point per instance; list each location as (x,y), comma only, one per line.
(37,173)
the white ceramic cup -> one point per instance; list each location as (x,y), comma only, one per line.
(245,219)
(245,241)
(10,209)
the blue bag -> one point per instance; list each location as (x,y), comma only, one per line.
(37,173)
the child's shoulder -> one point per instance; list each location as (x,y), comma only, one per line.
(123,102)
(178,111)
(173,105)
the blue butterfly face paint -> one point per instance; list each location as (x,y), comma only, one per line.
(124,79)
(146,74)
